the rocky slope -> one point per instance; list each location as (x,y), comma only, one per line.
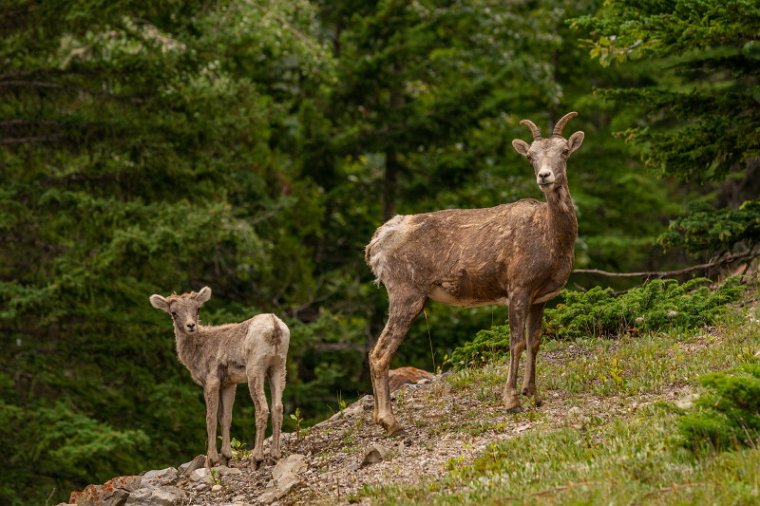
(446,424)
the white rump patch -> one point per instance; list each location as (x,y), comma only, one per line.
(384,242)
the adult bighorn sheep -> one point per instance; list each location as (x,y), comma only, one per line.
(221,357)
(517,254)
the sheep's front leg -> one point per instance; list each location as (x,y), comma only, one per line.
(518,315)
(256,387)
(211,394)
(228,400)
(532,345)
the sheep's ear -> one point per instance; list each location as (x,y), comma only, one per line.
(521,147)
(575,141)
(159,302)
(204,295)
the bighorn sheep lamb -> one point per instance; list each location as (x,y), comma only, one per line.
(517,254)
(221,357)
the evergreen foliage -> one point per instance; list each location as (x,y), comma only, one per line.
(727,415)
(700,119)
(707,230)
(254,146)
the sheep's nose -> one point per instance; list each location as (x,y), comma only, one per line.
(190,327)
(544,174)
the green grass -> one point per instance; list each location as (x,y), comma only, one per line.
(631,457)
(631,461)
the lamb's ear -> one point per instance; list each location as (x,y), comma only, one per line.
(204,295)
(575,141)
(159,302)
(521,147)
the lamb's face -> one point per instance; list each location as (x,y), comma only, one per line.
(184,309)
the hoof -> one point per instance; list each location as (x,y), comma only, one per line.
(538,402)
(391,426)
(515,409)
(395,432)
(213,461)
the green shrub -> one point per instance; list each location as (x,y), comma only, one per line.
(655,306)
(728,415)
(488,344)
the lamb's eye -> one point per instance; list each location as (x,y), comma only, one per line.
(174,315)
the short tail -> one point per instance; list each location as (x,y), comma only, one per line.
(275,335)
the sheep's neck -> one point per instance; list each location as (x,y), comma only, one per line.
(562,223)
(188,346)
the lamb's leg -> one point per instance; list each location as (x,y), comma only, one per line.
(228,400)
(533,343)
(401,313)
(518,315)
(256,387)
(276,386)
(211,394)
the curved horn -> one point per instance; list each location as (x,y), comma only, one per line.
(533,128)
(562,122)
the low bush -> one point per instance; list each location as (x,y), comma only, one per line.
(727,415)
(655,306)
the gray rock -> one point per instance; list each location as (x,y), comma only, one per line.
(227,471)
(288,467)
(285,476)
(167,496)
(188,467)
(154,479)
(202,475)
(376,453)
(140,497)
(216,488)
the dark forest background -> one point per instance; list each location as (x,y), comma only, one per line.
(254,146)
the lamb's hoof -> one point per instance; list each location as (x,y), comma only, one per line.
(213,461)
(256,462)
(515,409)
(538,402)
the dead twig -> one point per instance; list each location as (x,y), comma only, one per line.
(667,274)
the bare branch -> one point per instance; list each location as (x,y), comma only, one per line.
(668,274)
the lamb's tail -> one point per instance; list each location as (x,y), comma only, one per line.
(383,243)
(274,337)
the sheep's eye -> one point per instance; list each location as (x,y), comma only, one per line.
(174,315)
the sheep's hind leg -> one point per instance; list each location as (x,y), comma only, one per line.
(401,313)
(276,386)
(256,387)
